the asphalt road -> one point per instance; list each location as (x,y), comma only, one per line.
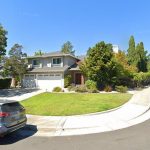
(132,138)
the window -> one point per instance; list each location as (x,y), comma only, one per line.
(11,107)
(56,61)
(36,62)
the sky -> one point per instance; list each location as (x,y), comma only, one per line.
(47,24)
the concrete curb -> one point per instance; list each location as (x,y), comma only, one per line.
(60,131)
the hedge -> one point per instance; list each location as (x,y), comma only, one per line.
(5,83)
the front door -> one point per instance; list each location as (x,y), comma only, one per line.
(78,78)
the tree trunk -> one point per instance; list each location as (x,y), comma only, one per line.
(13,83)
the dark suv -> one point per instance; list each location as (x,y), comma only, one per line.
(12,116)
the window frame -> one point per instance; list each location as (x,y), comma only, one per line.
(37,61)
(56,64)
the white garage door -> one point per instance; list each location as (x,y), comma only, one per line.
(48,82)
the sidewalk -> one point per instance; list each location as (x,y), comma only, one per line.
(133,112)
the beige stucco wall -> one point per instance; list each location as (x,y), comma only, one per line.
(69,61)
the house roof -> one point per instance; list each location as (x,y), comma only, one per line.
(81,57)
(48,69)
(54,54)
(74,67)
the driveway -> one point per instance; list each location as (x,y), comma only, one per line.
(18,94)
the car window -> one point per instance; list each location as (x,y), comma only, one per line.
(11,107)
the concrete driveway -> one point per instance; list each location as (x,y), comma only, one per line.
(18,94)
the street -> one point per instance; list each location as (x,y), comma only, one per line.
(132,138)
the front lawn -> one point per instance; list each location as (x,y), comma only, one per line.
(59,104)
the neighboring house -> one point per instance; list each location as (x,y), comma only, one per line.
(48,71)
(115,48)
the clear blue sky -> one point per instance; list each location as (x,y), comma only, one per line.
(47,24)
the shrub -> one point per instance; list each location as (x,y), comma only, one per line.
(5,83)
(108,88)
(122,89)
(127,81)
(67,80)
(72,87)
(142,79)
(92,91)
(91,85)
(81,88)
(57,89)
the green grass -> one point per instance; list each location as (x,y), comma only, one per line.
(59,104)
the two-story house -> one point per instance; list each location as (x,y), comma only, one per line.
(48,71)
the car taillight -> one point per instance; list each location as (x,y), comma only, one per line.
(4,114)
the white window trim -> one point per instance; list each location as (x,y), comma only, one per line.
(36,66)
(57,65)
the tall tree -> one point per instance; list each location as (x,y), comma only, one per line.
(67,48)
(38,53)
(16,52)
(131,51)
(148,63)
(121,58)
(3,41)
(141,58)
(15,63)
(100,65)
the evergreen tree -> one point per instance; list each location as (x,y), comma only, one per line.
(131,51)
(67,48)
(141,58)
(38,53)
(3,41)
(100,65)
(15,64)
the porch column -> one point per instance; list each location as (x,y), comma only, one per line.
(82,79)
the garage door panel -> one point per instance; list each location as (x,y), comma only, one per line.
(48,82)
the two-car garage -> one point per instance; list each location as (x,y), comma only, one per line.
(43,81)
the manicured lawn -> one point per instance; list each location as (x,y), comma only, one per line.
(59,104)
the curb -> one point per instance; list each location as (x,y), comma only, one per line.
(70,126)
(60,132)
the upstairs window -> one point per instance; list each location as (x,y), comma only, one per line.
(36,62)
(56,61)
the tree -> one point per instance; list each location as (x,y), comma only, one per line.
(67,48)
(131,51)
(3,41)
(137,55)
(141,58)
(148,62)
(100,65)
(16,52)
(122,59)
(38,53)
(88,51)
(15,64)
(126,71)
